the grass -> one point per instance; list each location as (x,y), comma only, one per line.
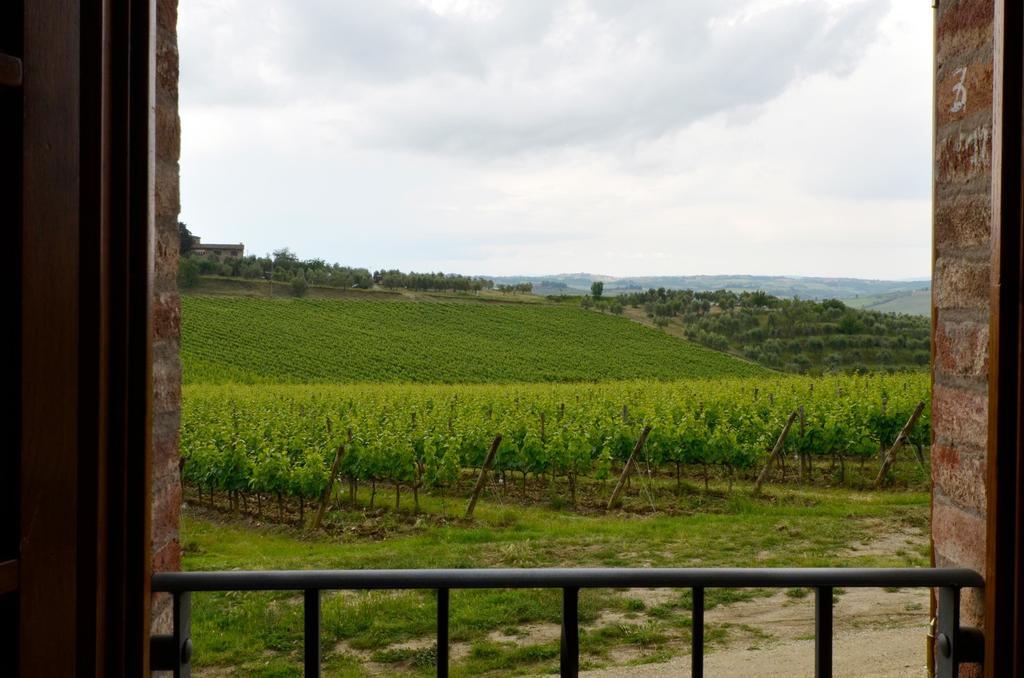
(504,632)
(253,340)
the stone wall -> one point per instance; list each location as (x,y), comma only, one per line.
(962,216)
(166,311)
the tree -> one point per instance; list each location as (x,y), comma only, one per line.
(299,284)
(188,273)
(185,238)
(596,289)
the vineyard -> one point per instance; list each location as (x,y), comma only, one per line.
(246,340)
(284,441)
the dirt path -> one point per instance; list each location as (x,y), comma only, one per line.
(881,653)
(877,632)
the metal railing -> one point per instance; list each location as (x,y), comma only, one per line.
(954,645)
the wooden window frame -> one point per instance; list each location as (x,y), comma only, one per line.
(86,280)
(1004,580)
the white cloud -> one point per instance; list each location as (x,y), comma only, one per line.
(650,137)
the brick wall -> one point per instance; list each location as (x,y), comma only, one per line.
(166,311)
(962,215)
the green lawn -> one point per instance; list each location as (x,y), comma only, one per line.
(503,632)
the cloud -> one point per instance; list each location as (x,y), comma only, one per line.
(537,136)
(521,76)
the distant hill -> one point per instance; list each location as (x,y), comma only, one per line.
(246,339)
(914,302)
(779,286)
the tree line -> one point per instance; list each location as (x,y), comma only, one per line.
(794,335)
(283,266)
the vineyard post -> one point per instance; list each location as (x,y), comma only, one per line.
(802,454)
(483,475)
(881,444)
(901,440)
(776,451)
(330,487)
(628,467)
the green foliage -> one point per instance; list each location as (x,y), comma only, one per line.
(234,339)
(596,289)
(282,439)
(188,273)
(299,285)
(804,337)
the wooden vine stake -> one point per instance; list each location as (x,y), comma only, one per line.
(776,451)
(628,468)
(488,460)
(901,440)
(330,487)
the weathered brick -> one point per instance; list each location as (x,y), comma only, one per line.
(963,221)
(168,557)
(960,474)
(960,283)
(964,27)
(962,91)
(166,388)
(167,15)
(959,536)
(961,348)
(963,152)
(166,515)
(166,66)
(168,133)
(166,482)
(165,278)
(168,198)
(166,316)
(166,460)
(960,416)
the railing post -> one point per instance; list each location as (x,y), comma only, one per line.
(697,633)
(442,633)
(947,660)
(570,646)
(174,652)
(311,612)
(823,632)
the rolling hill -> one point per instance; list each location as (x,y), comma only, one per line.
(913,302)
(779,286)
(239,339)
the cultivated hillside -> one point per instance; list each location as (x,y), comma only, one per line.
(914,302)
(319,340)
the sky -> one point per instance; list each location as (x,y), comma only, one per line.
(529,137)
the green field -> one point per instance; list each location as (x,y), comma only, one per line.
(246,340)
(912,302)
(281,440)
(409,393)
(515,632)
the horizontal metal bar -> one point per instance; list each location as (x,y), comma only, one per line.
(10,71)
(8,576)
(294,580)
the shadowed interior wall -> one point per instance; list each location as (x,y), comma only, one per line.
(166,310)
(962,267)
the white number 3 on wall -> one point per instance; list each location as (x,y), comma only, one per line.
(960,91)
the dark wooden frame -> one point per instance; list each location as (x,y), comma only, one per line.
(86,397)
(1004,589)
